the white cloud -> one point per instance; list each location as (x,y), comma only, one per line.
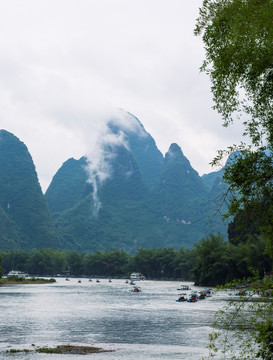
(67,65)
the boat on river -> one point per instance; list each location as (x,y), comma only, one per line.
(135,276)
(192,298)
(184,287)
(19,274)
(182,298)
(136,289)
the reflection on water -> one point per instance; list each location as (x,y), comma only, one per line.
(149,324)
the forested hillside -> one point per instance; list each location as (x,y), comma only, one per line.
(143,200)
(25,221)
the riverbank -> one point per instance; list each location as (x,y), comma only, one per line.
(16,280)
(63,350)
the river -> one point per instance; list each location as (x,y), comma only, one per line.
(145,325)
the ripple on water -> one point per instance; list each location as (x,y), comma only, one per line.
(150,324)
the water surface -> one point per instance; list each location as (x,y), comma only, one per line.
(149,324)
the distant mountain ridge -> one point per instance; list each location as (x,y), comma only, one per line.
(144,199)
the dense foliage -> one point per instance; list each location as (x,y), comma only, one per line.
(238,38)
(154,263)
(211,262)
(218,262)
(243,327)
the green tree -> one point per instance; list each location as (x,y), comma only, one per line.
(14,260)
(75,262)
(149,262)
(183,263)
(40,262)
(238,37)
(109,263)
(212,261)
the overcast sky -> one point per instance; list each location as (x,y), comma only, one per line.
(66,65)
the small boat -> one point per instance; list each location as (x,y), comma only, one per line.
(109,280)
(201,295)
(137,276)
(184,287)
(182,298)
(136,289)
(90,280)
(192,298)
(67,279)
(132,283)
(97,281)
(79,281)
(19,274)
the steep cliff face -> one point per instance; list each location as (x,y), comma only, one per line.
(24,213)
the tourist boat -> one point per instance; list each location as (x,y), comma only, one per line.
(201,295)
(137,276)
(19,274)
(184,287)
(136,289)
(182,298)
(192,298)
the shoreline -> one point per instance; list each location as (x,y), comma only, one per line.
(7,281)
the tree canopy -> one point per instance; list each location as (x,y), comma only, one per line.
(237,36)
(238,41)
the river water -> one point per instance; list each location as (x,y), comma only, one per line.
(145,325)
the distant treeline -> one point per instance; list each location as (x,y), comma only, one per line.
(212,261)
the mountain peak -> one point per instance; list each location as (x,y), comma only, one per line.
(174,151)
(175,155)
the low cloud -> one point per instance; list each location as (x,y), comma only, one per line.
(101,153)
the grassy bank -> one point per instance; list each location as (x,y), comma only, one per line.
(18,280)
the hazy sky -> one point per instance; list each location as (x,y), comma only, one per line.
(67,65)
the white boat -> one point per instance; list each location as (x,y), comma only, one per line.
(19,274)
(137,276)
(184,287)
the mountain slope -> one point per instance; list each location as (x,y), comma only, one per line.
(142,145)
(130,214)
(128,198)
(113,223)
(67,186)
(23,208)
